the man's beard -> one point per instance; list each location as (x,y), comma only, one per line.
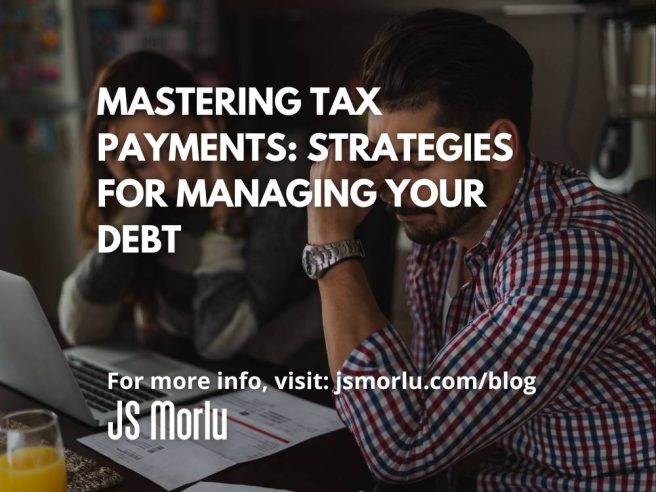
(448,224)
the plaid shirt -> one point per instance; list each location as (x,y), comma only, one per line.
(563,289)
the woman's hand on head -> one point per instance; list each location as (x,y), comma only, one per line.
(228,220)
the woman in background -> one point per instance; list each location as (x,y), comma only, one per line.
(232,273)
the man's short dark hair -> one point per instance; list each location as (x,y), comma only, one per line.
(475,71)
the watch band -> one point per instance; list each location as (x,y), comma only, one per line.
(318,259)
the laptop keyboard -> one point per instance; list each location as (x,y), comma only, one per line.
(93,383)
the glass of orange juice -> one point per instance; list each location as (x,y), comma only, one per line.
(31,453)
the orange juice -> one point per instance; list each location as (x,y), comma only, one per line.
(34,469)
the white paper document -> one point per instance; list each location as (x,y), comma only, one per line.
(228,487)
(258,424)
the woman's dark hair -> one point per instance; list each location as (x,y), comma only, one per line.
(473,70)
(145,69)
(151,71)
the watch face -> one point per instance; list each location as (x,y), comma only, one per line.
(309,263)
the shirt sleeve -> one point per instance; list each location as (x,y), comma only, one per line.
(224,318)
(561,298)
(244,284)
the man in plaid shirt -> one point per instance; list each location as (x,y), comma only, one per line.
(553,280)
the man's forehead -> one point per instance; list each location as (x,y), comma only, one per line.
(415,120)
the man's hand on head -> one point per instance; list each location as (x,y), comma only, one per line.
(330,224)
(349,310)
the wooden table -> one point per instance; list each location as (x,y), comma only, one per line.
(331,462)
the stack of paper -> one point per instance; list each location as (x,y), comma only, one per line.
(259,424)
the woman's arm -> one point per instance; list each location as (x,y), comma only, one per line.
(243,283)
(93,294)
(92,298)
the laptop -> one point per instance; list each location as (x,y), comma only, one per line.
(75,381)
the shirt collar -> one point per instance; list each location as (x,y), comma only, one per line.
(509,215)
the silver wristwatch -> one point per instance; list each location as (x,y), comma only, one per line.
(318,259)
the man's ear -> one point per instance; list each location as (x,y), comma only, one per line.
(509,145)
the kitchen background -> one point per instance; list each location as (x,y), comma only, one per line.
(593,93)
